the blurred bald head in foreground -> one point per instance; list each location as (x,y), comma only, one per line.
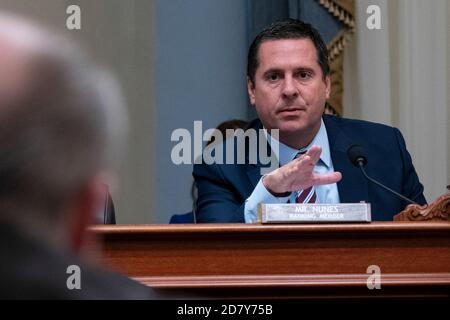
(61,128)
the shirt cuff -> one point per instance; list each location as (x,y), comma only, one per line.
(260,195)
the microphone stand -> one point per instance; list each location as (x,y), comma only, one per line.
(361,164)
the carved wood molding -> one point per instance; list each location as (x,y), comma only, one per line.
(319,280)
(311,286)
(439,210)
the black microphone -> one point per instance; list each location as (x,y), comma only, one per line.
(358,157)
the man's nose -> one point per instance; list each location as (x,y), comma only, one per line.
(290,90)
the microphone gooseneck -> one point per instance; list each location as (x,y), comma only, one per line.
(358,157)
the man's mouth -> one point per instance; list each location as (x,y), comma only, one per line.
(291,110)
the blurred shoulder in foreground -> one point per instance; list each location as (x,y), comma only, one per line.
(62,128)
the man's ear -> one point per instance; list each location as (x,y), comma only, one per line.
(83,209)
(251,90)
(327,86)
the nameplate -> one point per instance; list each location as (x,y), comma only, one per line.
(313,213)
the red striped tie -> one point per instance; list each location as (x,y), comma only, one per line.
(307,195)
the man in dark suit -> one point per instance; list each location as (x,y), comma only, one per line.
(289,83)
(61,122)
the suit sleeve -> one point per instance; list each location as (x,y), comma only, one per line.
(217,201)
(412,188)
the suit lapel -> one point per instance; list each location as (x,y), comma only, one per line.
(353,187)
(254,174)
(254,170)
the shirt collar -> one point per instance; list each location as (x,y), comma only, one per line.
(321,139)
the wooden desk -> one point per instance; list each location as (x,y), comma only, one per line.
(289,261)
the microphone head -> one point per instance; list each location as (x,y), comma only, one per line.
(357,155)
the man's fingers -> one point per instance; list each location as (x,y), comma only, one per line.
(327,178)
(314,153)
(305,164)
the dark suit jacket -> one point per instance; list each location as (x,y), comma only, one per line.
(31,270)
(223,188)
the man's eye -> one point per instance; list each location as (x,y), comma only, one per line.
(273,77)
(304,75)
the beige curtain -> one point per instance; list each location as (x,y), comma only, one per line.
(400,75)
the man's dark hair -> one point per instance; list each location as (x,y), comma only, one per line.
(288,29)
